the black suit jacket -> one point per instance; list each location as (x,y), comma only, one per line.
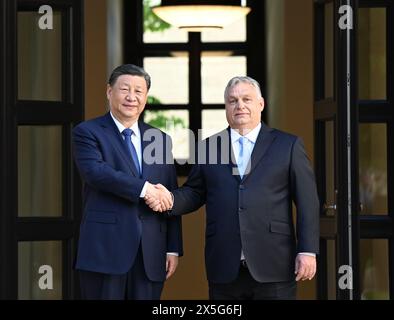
(253,213)
(116,221)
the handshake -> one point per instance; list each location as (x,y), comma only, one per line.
(158,198)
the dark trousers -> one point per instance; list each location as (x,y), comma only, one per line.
(245,287)
(134,285)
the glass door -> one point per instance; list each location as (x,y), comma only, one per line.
(375,104)
(40,188)
(335,123)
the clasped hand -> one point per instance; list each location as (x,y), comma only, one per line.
(158,198)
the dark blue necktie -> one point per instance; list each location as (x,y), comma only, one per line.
(127,137)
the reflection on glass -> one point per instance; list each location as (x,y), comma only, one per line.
(39,171)
(236,32)
(170,78)
(329,50)
(213,121)
(373,168)
(157,30)
(372,59)
(330,170)
(39,58)
(217,68)
(39,262)
(175,123)
(374,269)
(331,271)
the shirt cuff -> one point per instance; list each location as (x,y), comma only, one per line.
(173,254)
(307,254)
(143,191)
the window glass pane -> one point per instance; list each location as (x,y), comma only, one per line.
(175,123)
(170,78)
(157,30)
(372,60)
(213,121)
(329,50)
(374,268)
(236,32)
(373,168)
(40,171)
(39,58)
(217,68)
(40,270)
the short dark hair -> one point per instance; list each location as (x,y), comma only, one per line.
(130,69)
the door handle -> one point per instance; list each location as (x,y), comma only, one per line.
(329,210)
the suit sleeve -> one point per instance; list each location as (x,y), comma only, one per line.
(174,223)
(304,195)
(97,173)
(192,195)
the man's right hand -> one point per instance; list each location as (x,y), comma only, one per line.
(158,198)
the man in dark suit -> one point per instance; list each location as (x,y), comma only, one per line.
(125,251)
(248,175)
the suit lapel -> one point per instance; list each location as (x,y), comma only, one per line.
(264,140)
(117,141)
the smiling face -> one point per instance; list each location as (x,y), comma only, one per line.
(243,106)
(127,98)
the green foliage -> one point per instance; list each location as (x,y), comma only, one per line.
(161,121)
(152,22)
(153,100)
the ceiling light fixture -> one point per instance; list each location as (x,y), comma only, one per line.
(199,15)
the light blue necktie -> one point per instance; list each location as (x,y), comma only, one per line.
(133,153)
(243,156)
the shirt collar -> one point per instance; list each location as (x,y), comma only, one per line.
(121,127)
(251,136)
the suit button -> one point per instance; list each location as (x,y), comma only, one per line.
(241,187)
(141,217)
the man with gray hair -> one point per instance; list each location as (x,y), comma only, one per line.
(252,249)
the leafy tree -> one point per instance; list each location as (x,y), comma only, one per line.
(160,120)
(153,100)
(152,22)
